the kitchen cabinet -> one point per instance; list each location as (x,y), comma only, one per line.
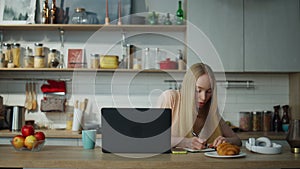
(249,35)
(222,22)
(272,35)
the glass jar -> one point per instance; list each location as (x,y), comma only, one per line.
(28,59)
(16,52)
(2,60)
(7,53)
(256,121)
(52,59)
(38,50)
(39,61)
(245,121)
(95,61)
(79,16)
(267,121)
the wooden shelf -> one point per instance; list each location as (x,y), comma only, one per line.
(87,70)
(93,27)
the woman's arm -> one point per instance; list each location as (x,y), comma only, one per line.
(229,135)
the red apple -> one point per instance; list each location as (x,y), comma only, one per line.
(27,130)
(18,141)
(39,135)
(30,141)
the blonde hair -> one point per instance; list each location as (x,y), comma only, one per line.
(187,111)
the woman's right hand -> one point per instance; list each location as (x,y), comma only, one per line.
(193,143)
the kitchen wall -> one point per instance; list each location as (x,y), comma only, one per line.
(143,89)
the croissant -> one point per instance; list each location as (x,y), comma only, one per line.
(228,149)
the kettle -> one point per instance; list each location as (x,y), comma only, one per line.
(293,136)
(18,118)
(7,117)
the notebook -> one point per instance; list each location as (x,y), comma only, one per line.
(136,130)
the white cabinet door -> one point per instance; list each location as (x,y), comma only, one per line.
(222,22)
(272,35)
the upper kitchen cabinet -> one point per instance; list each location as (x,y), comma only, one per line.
(221,21)
(272,35)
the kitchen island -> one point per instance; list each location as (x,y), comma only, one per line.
(77,157)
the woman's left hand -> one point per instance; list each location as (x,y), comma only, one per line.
(219,140)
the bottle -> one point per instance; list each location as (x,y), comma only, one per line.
(181,63)
(276,119)
(157,58)
(53,12)
(285,118)
(167,20)
(28,58)
(45,13)
(179,14)
(146,59)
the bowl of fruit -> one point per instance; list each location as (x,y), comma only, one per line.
(29,140)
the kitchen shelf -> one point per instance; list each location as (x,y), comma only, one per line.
(93,27)
(87,70)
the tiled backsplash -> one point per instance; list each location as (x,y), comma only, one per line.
(142,89)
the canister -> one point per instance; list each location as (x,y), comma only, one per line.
(7,53)
(256,121)
(16,52)
(245,121)
(28,60)
(267,120)
(109,62)
(38,49)
(95,61)
(39,61)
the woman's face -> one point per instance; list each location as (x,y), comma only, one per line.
(203,90)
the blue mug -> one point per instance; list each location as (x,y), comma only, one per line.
(88,139)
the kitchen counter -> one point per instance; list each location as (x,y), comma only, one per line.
(76,157)
(71,134)
(49,134)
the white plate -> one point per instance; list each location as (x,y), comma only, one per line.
(215,154)
(198,151)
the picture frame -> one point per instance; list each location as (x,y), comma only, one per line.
(17,12)
(76,57)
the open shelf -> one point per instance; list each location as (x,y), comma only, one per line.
(92,27)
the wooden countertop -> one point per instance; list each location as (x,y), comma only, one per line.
(71,134)
(76,157)
(49,134)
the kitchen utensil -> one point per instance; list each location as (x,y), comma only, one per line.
(26,104)
(293,137)
(18,119)
(8,115)
(34,101)
(76,117)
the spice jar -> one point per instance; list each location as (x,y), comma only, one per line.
(16,51)
(28,58)
(267,121)
(95,61)
(80,16)
(38,50)
(7,53)
(256,121)
(245,121)
(39,61)
(52,59)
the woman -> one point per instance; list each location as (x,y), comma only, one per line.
(196,121)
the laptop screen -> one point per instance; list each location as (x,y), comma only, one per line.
(136,130)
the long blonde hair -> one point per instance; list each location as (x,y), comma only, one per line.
(188,111)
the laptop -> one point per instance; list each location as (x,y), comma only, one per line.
(136,130)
